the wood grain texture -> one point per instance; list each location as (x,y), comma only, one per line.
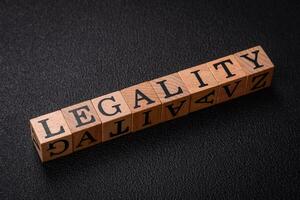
(258,67)
(84,123)
(51,136)
(230,77)
(202,86)
(114,114)
(144,105)
(173,94)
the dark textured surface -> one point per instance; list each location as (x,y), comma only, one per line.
(56,53)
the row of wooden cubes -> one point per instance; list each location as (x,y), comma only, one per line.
(140,106)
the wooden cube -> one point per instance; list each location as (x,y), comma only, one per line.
(202,86)
(51,136)
(114,114)
(144,105)
(84,124)
(230,76)
(258,67)
(173,95)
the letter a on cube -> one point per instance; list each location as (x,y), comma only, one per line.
(144,105)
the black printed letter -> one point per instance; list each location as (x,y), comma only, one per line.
(175,110)
(119,129)
(227,90)
(47,130)
(147,120)
(167,92)
(52,146)
(202,84)
(253,60)
(117,107)
(259,84)
(82,115)
(86,136)
(140,96)
(205,98)
(223,64)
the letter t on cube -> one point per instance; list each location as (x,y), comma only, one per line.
(230,76)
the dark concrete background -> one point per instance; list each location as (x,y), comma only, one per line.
(57,53)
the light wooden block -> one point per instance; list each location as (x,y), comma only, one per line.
(258,67)
(230,76)
(114,114)
(144,105)
(51,136)
(202,86)
(84,124)
(173,95)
